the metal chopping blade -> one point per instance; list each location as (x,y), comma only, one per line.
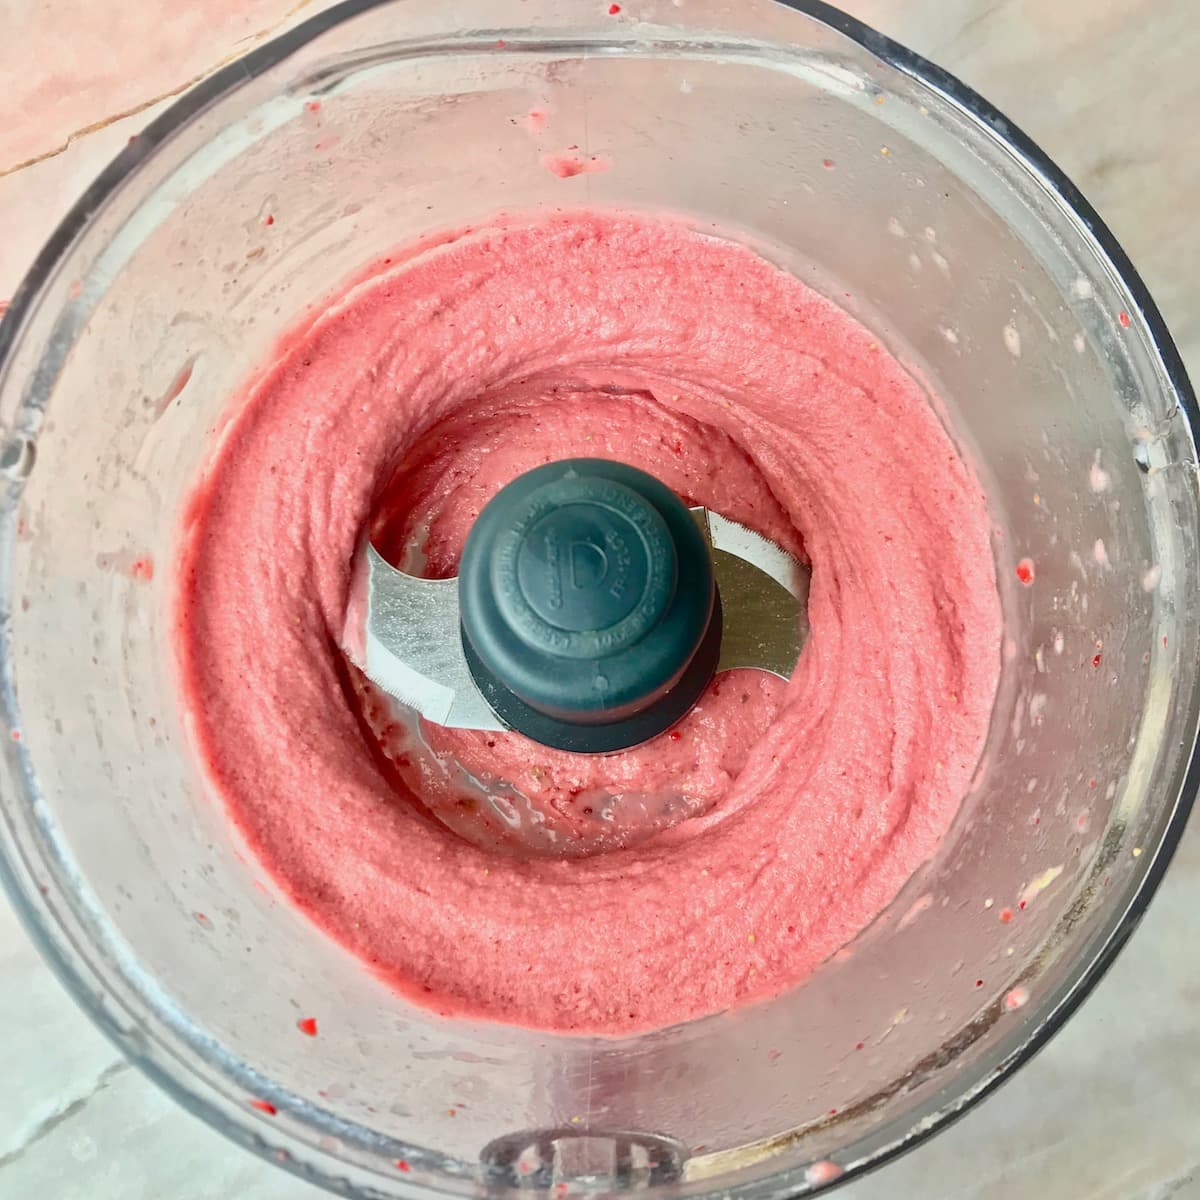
(413,646)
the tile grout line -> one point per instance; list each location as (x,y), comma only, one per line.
(72,1108)
(239,48)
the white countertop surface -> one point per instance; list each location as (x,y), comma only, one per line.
(1111,1110)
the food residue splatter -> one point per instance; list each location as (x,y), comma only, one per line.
(820,1173)
(138,567)
(1040,884)
(918,906)
(1016,998)
(568,165)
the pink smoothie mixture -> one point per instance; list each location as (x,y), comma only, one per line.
(798,810)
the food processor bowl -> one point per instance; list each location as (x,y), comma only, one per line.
(877,179)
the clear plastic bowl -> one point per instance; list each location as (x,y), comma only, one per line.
(864,169)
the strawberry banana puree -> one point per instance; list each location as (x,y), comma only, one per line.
(799,809)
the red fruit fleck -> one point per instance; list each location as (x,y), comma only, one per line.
(613,9)
(15,735)
(675,735)
(402,1165)
(307,1026)
(1025,571)
(1006,915)
(264,1106)
(1123,317)
(313,106)
(833,1112)
(1021,905)
(858,1045)
(979,983)
(1096,660)
(142,569)
(501,44)
(827,163)
(270,220)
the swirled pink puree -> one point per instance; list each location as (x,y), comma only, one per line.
(463,364)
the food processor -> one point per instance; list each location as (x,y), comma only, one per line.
(879,181)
